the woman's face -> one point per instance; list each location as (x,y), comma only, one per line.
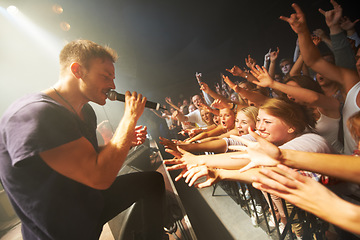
(206,116)
(273,129)
(216,119)
(234,98)
(227,118)
(242,123)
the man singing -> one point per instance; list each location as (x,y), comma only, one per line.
(61,183)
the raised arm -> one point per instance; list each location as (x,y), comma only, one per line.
(79,160)
(168,101)
(211,133)
(222,160)
(204,87)
(255,97)
(328,105)
(312,57)
(272,67)
(349,26)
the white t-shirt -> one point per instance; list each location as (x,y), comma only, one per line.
(350,107)
(195,117)
(328,128)
(307,142)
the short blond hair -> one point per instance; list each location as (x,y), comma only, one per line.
(83,51)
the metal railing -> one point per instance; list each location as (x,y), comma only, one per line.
(263,213)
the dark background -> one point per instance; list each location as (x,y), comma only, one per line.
(161,44)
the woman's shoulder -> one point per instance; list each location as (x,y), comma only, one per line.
(308,142)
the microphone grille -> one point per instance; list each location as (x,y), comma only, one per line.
(112,95)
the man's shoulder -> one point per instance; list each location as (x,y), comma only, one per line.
(28,105)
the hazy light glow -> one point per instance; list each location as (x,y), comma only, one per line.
(57,9)
(50,43)
(13,10)
(65,26)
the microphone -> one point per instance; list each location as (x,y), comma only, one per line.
(113,95)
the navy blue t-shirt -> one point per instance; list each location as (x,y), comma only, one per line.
(50,205)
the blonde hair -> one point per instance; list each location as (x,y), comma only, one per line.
(251,112)
(353,124)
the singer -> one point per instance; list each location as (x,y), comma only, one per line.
(61,183)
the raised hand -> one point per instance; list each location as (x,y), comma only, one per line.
(332,17)
(168,143)
(260,153)
(316,40)
(204,87)
(250,62)
(217,88)
(235,71)
(274,54)
(262,76)
(194,173)
(346,24)
(139,135)
(267,56)
(183,160)
(232,85)
(296,20)
(168,100)
(217,103)
(134,105)
(198,77)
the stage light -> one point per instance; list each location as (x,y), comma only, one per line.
(49,42)
(57,9)
(65,26)
(12,10)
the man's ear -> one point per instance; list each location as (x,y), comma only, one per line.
(76,69)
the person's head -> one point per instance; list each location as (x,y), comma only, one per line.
(280,121)
(92,65)
(277,77)
(303,82)
(245,118)
(197,99)
(227,118)
(184,109)
(207,116)
(192,108)
(234,97)
(247,85)
(172,110)
(185,102)
(325,82)
(83,52)
(353,124)
(216,119)
(285,65)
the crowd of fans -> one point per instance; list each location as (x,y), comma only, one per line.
(306,117)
